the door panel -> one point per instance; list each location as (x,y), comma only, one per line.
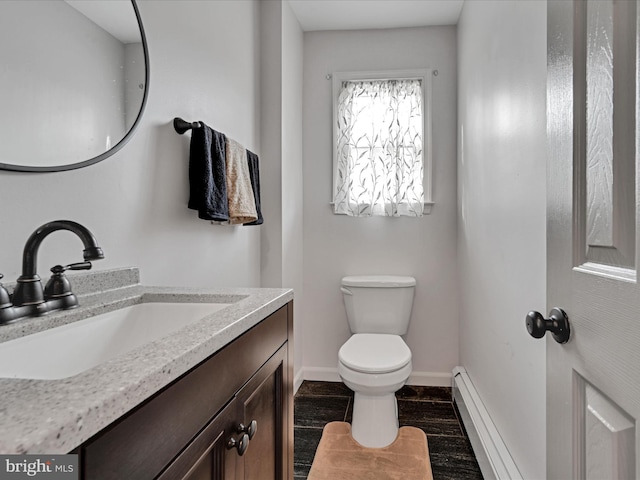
(604,123)
(261,400)
(260,461)
(207,456)
(608,449)
(593,381)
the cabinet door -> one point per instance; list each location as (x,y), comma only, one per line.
(207,457)
(262,400)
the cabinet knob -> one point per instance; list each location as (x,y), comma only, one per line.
(240,444)
(249,430)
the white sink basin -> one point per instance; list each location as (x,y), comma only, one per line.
(70,349)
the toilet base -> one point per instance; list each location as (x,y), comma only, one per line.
(375,419)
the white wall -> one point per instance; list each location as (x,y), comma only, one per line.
(336,245)
(501,236)
(271,141)
(204,66)
(281,116)
(292,177)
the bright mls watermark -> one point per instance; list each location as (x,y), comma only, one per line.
(50,467)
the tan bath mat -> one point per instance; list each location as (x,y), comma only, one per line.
(340,457)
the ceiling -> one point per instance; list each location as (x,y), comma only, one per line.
(365,14)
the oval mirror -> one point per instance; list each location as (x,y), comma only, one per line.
(73,82)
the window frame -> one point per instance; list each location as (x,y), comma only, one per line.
(423,74)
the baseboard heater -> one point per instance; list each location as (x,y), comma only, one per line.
(490,451)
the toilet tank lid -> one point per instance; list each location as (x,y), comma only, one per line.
(378,281)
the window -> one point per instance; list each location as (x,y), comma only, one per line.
(382,161)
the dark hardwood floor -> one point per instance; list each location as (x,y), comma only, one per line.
(429,408)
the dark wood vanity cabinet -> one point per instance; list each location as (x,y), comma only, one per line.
(229,418)
(209,456)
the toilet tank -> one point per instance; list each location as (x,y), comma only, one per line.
(378,303)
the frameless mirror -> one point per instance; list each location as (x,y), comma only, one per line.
(73,81)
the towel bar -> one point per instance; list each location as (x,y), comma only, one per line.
(182,126)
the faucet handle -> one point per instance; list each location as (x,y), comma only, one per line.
(59,269)
(5,298)
(58,285)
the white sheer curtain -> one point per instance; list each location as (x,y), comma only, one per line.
(379,158)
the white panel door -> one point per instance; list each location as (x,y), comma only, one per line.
(593,380)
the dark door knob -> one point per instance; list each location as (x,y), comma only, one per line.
(557,324)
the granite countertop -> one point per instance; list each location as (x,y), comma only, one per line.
(56,416)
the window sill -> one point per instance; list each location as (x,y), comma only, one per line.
(427,208)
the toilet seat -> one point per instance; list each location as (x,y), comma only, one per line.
(374,353)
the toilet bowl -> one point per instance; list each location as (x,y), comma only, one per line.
(375,362)
(374,366)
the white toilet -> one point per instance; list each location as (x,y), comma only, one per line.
(376,362)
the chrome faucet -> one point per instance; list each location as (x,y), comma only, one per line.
(29,298)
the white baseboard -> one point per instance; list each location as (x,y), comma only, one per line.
(325,374)
(430,379)
(490,451)
(320,374)
(297,381)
